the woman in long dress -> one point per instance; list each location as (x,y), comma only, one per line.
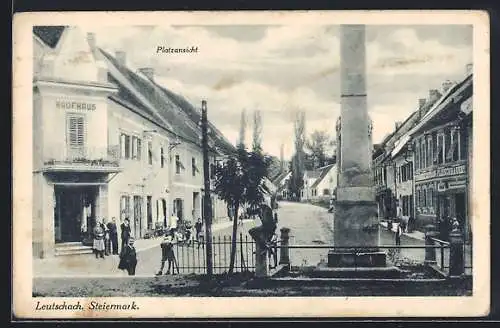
(99,245)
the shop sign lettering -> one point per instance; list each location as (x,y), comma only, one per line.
(441,172)
(75,105)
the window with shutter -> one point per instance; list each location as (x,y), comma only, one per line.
(162,157)
(122,145)
(150,153)
(139,149)
(134,147)
(76,135)
(127,146)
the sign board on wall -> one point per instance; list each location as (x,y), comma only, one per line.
(442,172)
(75,105)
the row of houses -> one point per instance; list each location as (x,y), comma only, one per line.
(319,184)
(424,166)
(110,142)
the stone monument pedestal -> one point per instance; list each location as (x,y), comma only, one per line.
(356,232)
(355,226)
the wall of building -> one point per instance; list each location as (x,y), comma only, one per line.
(138,177)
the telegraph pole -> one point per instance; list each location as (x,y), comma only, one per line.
(207,202)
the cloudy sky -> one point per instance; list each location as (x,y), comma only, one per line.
(279,69)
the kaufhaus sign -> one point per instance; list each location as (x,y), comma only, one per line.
(75,105)
(442,172)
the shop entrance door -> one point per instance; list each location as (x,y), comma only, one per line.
(460,208)
(74,213)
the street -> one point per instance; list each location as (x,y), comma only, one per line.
(308,224)
(311,224)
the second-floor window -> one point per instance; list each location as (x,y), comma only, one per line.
(130,147)
(162,157)
(150,153)
(136,148)
(194,167)
(178,164)
(406,172)
(76,133)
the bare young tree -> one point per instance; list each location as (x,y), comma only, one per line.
(243,127)
(257,131)
(296,181)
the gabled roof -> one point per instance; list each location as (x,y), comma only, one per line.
(280,177)
(323,173)
(49,35)
(162,107)
(443,103)
(173,109)
(195,116)
(312,174)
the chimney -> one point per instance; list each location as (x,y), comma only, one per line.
(91,41)
(148,71)
(421,107)
(421,103)
(434,95)
(121,57)
(469,68)
(397,125)
(447,85)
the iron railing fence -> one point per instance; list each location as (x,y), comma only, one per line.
(191,259)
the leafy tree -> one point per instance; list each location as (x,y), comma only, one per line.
(319,144)
(239,181)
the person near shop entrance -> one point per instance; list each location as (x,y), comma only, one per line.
(128,257)
(107,240)
(126,232)
(98,244)
(172,223)
(113,236)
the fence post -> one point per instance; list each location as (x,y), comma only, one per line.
(284,250)
(430,253)
(456,254)
(261,263)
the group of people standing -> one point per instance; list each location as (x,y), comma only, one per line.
(105,243)
(105,238)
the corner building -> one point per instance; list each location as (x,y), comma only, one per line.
(109,142)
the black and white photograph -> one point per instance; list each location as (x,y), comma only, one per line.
(171,160)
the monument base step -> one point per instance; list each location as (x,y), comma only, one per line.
(349,272)
(338,259)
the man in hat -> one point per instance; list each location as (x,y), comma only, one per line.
(128,257)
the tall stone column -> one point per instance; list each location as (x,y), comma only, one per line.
(356,220)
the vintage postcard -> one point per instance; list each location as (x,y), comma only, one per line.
(251,164)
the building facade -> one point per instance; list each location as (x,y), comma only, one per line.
(109,143)
(324,186)
(442,144)
(424,166)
